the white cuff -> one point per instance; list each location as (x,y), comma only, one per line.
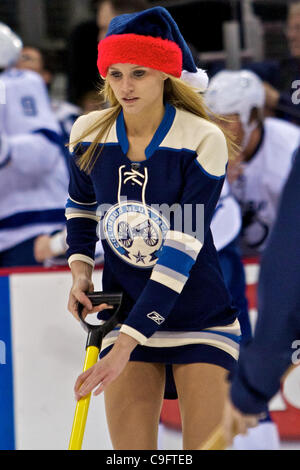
(128,330)
(84,258)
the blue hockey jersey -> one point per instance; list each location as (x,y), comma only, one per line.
(155,222)
(265,359)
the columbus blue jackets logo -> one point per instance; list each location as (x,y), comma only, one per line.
(135,232)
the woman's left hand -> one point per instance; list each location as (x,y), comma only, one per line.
(102,373)
(107,369)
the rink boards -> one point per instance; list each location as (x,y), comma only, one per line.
(42,353)
(42,349)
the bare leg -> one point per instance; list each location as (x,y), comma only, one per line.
(133,404)
(201,393)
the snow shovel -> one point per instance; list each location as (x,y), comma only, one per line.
(93,346)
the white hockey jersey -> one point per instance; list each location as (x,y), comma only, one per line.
(227,221)
(33,172)
(66,113)
(259,188)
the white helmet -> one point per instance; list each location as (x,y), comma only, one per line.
(235,92)
(10,46)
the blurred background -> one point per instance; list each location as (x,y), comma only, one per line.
(261,24)
(41,347)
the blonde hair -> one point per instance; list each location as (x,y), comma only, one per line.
(176,92)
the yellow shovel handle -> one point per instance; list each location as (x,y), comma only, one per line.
(82,406)
(216,441)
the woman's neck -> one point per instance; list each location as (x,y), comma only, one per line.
(144,124)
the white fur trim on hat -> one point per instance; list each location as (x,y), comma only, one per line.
(198,80)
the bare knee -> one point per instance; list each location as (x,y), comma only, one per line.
(133,404)
(201,392)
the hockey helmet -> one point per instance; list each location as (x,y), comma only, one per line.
(10,46)
(235,92)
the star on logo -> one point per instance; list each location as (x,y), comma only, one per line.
(153,256)
(139,257)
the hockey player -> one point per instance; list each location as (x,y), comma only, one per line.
(257,179)
(226,226)
(153,149)
(33,172)
(263,361)
(267,149)
(66,113)
(50,249)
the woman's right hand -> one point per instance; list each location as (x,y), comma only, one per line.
(81,286)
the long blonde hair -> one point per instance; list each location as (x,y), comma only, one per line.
(176,92)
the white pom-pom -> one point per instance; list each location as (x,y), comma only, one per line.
(198,80)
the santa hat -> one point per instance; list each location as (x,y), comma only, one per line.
(150,38)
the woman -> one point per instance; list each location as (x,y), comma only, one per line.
(153,150)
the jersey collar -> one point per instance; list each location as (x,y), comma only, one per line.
(158,137)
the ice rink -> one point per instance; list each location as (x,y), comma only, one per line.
(45,349)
